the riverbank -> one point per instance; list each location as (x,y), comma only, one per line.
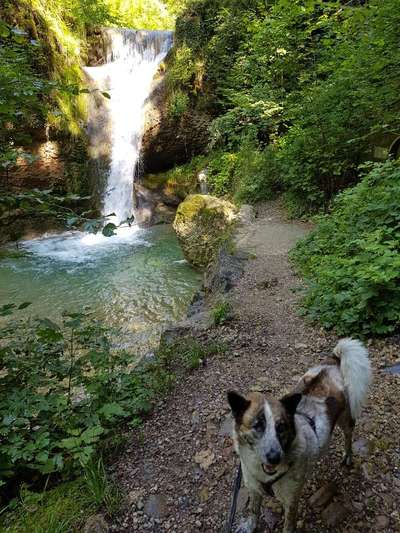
(176,472)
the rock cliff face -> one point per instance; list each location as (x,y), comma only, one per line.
(157,196)
(202,223)
(168,140)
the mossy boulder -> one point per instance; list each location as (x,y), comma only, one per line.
(202,224)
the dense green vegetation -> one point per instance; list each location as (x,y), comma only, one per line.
(66,391)
(351,262)
(297,89)
(299,92)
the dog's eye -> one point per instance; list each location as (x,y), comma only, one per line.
(259,424)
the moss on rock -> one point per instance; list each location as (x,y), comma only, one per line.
(180,181)
(202,224)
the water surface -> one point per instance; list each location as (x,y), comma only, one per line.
(137,281)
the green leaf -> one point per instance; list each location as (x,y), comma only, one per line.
(24,305)
(111,410)
(92,434)
(4,30)
(109,229)
(70,443)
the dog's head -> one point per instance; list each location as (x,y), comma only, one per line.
(265,425)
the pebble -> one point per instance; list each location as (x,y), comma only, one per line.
(156,506)
(324,495)
(335,513)
(382,522)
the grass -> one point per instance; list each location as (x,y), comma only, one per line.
(59,510)
(102,492)
(189,353)
(222,312)
(64,508)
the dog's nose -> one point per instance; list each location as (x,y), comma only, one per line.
(274,457)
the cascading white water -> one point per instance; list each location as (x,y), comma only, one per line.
(132,61)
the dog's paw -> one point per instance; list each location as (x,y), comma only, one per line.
(247,525)
(347,460)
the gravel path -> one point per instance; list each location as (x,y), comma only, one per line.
(177,470)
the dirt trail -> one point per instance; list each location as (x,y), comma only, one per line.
(177,471)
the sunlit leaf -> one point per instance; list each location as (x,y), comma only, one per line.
(109,230)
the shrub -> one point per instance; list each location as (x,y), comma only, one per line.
(221,168)
(63,390)
(256,176)
(316,81)
(351,261)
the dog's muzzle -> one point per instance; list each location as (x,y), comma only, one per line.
(273,458)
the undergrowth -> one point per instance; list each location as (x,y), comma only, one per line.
(222,312)
(351,261)
(66,393)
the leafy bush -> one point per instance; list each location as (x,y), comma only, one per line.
(351,261)
(22,106)
(248,119)
(256,176)
(221,168)
(63,389)
(249,175)
(178,104)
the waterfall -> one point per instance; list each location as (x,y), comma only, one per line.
(133,58)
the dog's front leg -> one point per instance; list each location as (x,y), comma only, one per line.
(291,508)
(248,523)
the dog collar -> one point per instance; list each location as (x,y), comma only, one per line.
(310,420)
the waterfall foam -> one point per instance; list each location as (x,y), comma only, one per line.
(132,61)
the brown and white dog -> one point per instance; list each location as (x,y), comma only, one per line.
(278,441)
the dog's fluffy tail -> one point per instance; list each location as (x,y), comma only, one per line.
(356,370)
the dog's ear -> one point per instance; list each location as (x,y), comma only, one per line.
(238,404)
(290,402)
